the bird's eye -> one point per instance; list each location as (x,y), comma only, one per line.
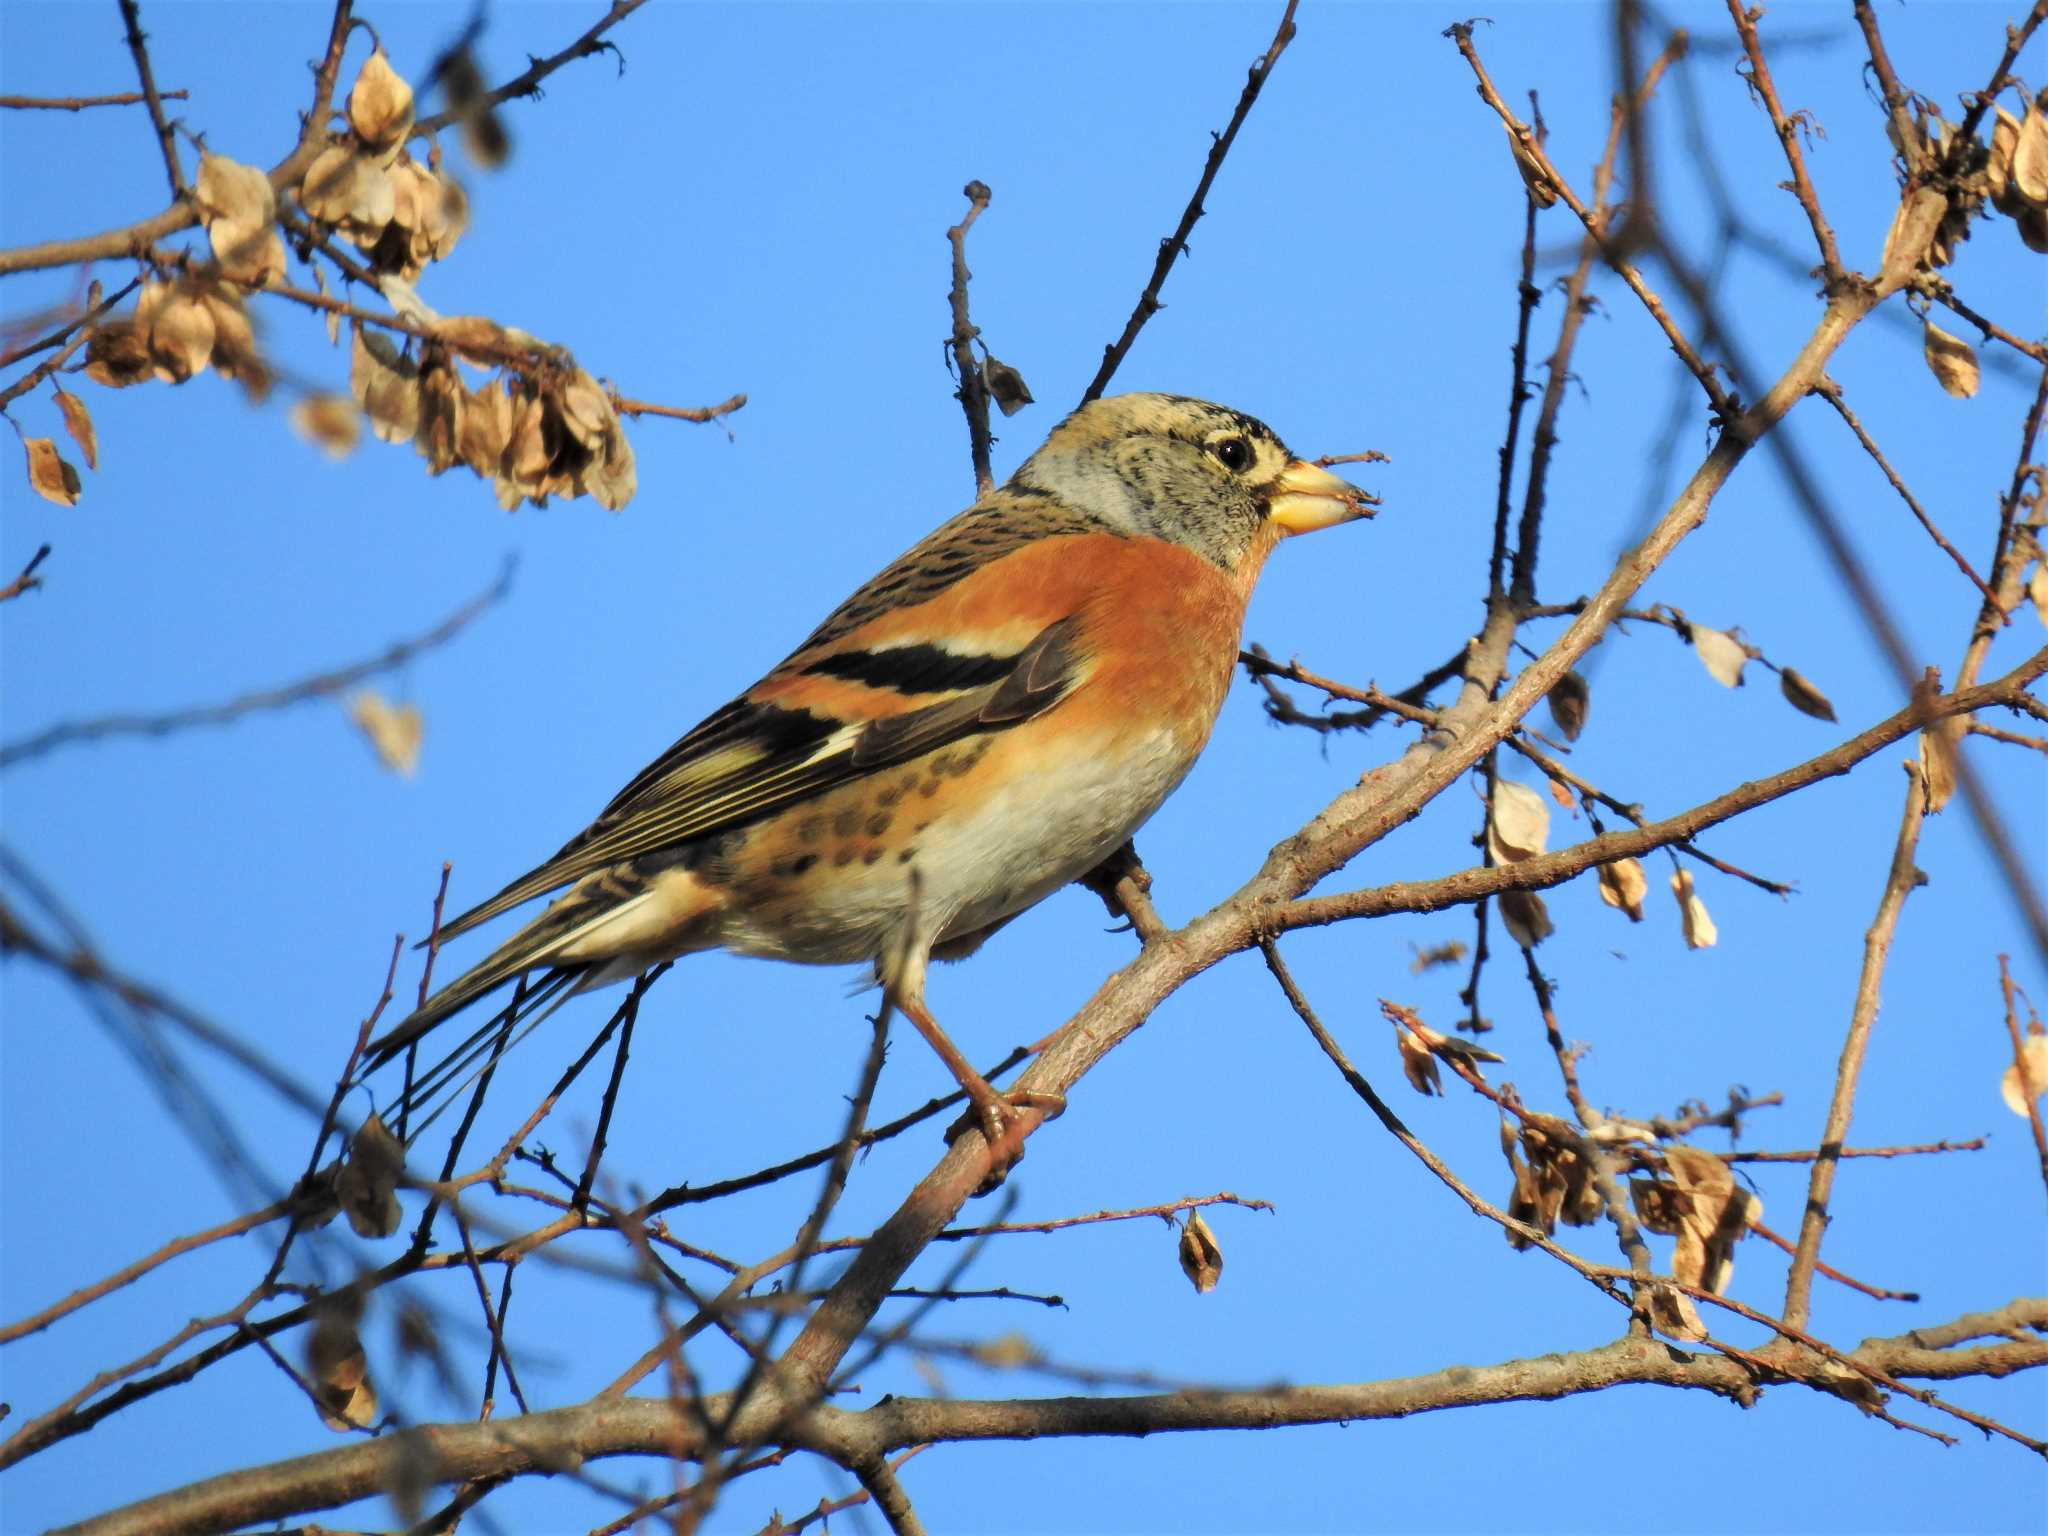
(1235,454)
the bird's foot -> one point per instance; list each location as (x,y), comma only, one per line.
(997,1115)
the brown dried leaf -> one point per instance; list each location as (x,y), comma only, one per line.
(1803,696)
(118,354)
(1201,1259)
(1714,1215)
(2034,1058)
(1721,654)
(1623,885)
(1418,1065)
(49,474)
(380,106)
(586,411)
(328,189)
(1540,190)
(367,1185)
(1700,932)
(393,732)
(78,422)
(1519,826)
(1938,763)
(1570,699)
(330,422)
(1526,918)
(1952,360)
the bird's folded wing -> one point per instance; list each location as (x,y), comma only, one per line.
(753,757)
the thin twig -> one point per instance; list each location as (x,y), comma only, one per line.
(167,141)
(80,103)
(262,700)
(973,391)
(1176,244)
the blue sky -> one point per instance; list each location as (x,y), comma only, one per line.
(757,203)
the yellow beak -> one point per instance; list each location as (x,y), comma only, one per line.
(1307,498)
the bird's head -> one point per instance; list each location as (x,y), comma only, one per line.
(1200,475)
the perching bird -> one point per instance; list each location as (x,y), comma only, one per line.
(982,723)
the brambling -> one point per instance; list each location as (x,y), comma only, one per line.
(986,720)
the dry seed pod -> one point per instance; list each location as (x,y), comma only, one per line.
(1804,697)
(1570,699)
(1541,193)
(393,733)
(328,189)
(227,189)
(443,402)
(380,107)
(1721,654)
(1938,764)
(367,1185)
(486,429)
(2016,1093)
(1201,1259)
(2030,157)
(78,422)
(1698,927)
(117,355)
(50,475)
(1418,1064)
(1526,918)
(1006,386)
(180,333)
(234,353)
(1623,885)
(386,385)
(610,478)
(330,422)
(340,1370)
(586,412)
(2005,138)
(1518,826)
(1952,361)
(2033,227)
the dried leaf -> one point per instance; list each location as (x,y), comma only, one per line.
(1803,696)
(1938,763)
(1700,932)
(1201,1260)
(2034,1058)
(234,353)
(1951,359)
(444,215)
(1570,699)
(1721,653)
(1526,918)
(1418,1064)
(78,422)
(249,253)
(330,422)
(328,189)
(486,429)
(1623,885)
(1541,193)
(49,474)
(367,1185)
(393,732)
(611,477)
(118,354)
(1714,1214)
(585,410)
(380,105)
(2037,589)
(1519,826)
(1006,386)
(2030,157)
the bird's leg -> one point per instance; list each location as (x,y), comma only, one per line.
(995,1112)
